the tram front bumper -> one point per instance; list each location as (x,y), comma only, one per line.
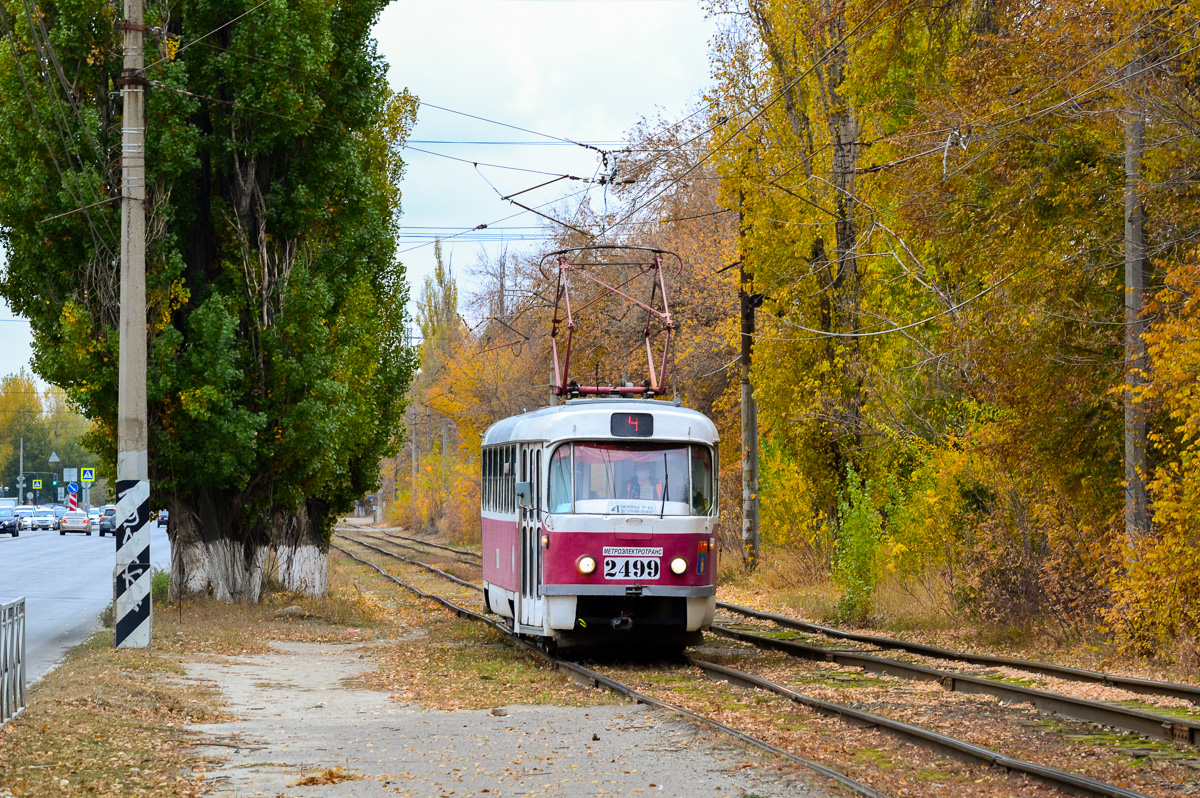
(564,613)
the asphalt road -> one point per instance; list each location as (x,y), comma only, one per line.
(67,582)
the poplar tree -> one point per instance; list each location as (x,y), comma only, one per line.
(275,302)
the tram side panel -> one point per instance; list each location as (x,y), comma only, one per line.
(501,564)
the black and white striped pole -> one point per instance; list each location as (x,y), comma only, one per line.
(131,577)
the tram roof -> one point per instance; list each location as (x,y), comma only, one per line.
(589,419)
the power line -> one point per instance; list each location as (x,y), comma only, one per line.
(505,124)
(611,143)
(478,164)
(217,29)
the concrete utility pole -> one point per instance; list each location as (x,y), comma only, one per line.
(132,574)
(1137,516)
(21,478)
(749,301)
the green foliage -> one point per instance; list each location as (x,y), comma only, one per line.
(278,360)
(859,543)
(160,585)
(437,313)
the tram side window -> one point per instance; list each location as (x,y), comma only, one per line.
(702,480)
(512,479)
(485,482)
(509,477)
(492,486)
(560,480)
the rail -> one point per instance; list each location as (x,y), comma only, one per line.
(12,659)
(1064,780)
(586,675)
(1189,692)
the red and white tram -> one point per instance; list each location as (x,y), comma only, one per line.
(600,522)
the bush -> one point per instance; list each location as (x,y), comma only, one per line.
(160,585)
(860,531)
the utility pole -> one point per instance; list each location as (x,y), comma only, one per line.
(1137,516)
(132,574)
(413,442)
(751,550)
(21,478)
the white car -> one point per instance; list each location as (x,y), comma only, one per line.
(93,520)
(25,517)
(44,519)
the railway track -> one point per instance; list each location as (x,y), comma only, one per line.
(593,678)
(1095,712)
(1142,721)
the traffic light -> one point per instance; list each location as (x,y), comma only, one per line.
(54,481)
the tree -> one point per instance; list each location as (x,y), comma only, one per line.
(46,423)
(277,356)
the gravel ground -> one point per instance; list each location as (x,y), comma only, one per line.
(298,720)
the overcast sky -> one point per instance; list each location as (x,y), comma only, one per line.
(585,70)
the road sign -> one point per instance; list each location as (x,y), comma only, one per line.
(87,475)
(29,495)
(37,484)
(72,488)
(60,493)
(70,475)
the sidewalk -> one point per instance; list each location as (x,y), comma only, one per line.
(298,720)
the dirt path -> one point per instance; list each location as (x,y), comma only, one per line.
(298,720)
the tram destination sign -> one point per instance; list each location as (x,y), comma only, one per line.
(632,425)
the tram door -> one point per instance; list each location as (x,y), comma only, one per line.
(530,522)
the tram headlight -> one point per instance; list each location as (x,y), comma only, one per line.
(679,566)
(586,564)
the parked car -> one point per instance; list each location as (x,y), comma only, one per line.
(163,518)
(24,517)
(94,519)
(43,518)
(74,521)
(10,524)
(59,510)
(108,520)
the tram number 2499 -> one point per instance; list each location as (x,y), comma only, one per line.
(631,568)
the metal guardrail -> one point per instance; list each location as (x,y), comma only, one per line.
(12,658)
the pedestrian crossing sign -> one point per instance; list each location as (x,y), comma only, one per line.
(87,475)
(37,484)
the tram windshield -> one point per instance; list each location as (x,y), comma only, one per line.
(631,479)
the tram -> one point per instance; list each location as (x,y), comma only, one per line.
(599,514)
(600,522)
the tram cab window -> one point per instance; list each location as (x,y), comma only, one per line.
(560,480)
(702,480)
(631,479)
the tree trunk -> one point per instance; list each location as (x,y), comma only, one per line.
(302,550)
(1137,516)
(212,553)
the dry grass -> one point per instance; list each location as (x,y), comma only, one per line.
(460,664)
(111,723)
(449,663)
(107,723)
(922,610)
(354,610)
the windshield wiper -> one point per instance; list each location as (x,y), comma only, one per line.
(666,487)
